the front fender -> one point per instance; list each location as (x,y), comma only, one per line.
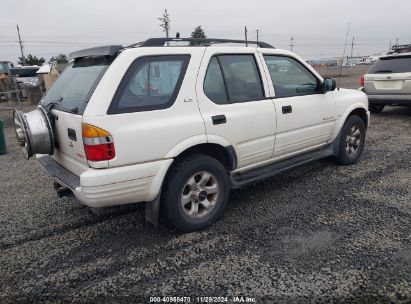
(343,117)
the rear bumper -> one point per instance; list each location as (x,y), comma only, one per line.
(112,186)
(389,99)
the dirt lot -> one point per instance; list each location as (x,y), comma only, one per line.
(320,232)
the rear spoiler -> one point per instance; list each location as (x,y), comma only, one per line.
(108,50)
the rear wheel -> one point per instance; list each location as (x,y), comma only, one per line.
(376,108)
(352,140)
(195,192)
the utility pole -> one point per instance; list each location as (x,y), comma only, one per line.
(292,43)
(21,46)
(245,35)
(258,35)
(352,46)
(166,24)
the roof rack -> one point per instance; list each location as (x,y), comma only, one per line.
(110,50)
(401,48)
(158,42)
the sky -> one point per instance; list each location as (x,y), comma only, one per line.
(318,27)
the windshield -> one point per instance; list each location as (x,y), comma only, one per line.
(72,90)
(3,68)
(391,65)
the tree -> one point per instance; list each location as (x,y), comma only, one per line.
(198,33)
(61,58)
(32,60)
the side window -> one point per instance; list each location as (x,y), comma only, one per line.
(289,77)
(214,83)
(150,83)
(232,79)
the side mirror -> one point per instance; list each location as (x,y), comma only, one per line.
(329,85)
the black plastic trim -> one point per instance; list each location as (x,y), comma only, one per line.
(59,172)
(239,180)
(219,119)
(232,157)
(158,42)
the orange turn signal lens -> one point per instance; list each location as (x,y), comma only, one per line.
(90,131)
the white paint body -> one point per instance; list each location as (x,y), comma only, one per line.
(147,142)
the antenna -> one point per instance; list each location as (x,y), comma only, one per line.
(342,58)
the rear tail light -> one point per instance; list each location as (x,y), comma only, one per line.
(362,81)
(98,143)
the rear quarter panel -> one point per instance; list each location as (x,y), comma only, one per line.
(148,135)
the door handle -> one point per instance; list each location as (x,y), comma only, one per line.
(287,109)
(219,119)
(72,134)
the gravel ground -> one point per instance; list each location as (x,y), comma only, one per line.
(318,233)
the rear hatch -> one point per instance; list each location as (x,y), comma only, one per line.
(390,75)
(67,100)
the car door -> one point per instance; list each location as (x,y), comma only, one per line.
(232,101)
(305,115)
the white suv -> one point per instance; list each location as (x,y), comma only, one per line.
(178,126)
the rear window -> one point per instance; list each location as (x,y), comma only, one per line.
(72,90)
(391,65)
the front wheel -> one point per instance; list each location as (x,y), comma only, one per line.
(352,140)
(195,192)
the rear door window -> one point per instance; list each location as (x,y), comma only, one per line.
(214,83)
(150,83)
(233,79)
(391,65)
(72,90)
(242,78)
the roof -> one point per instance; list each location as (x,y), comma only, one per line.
(44,69)
(396,55)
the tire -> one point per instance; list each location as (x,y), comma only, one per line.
(376,108)
(352,140)
(195,193)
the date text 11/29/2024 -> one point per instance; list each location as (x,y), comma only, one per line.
(239,299)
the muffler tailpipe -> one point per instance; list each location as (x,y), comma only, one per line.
(62,191)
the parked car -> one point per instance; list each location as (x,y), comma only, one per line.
(388,82)
(178,127)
